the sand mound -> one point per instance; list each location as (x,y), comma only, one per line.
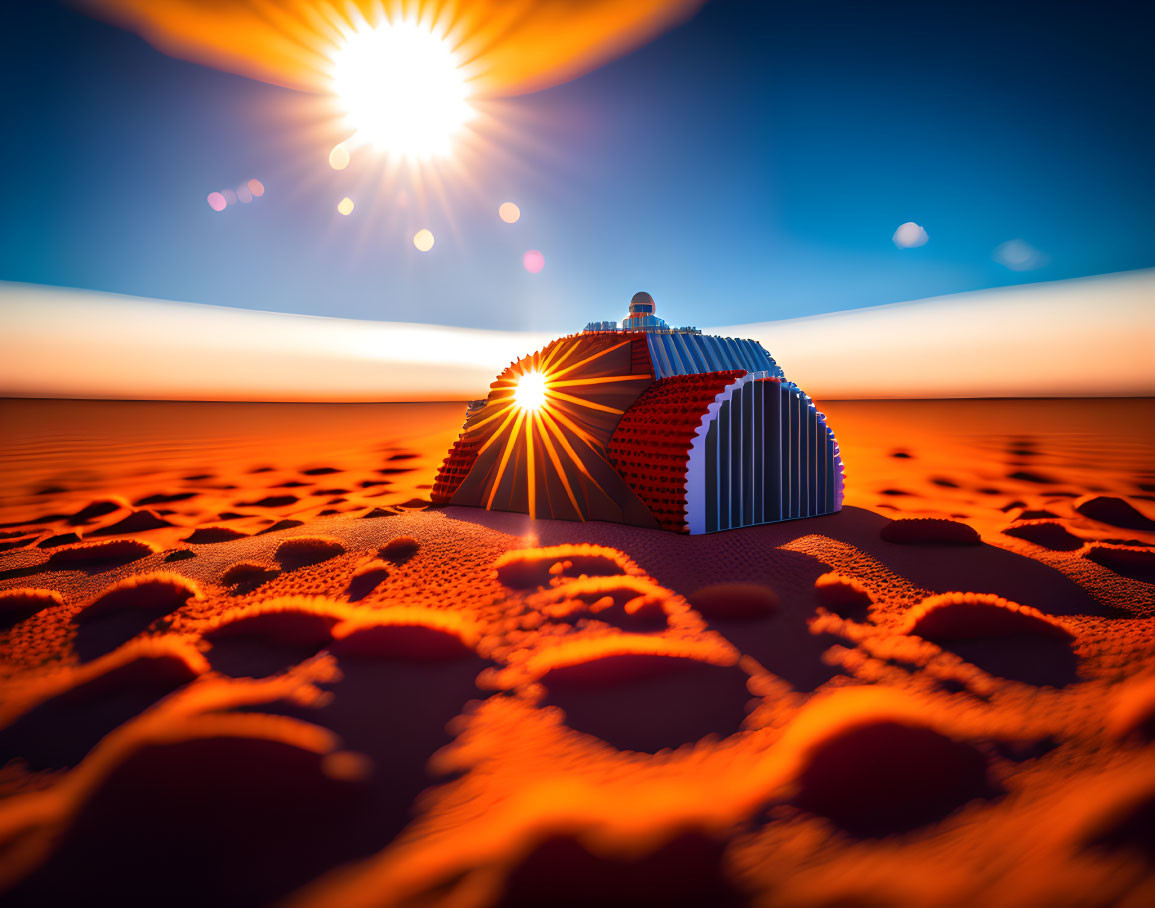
(405,642)
(100,556)
(136,829)
(648,702)
(320,471)
(163,664)
(286,524)
(77,711)
(135,522)
(260,640)
(407,633)
(302,551)
(400,549)
(1033,476)
(296,620)
(1137,562)
(622,600)
(1125,824)
(1024,513)
(528,568)
(378,512)
(1001,637)
(1046,533)
(967,616)
(874,763)
(152,593)
(1133,715)
(127,609)
(270,501)
(886,776)
(24,539)
(57,540)
(366,579)
(246,576)
(1114,511)
(207,535)
(16,605)
(843,595)
(101,507)
(929,530)
(735,601)
(614,669)
(162,498)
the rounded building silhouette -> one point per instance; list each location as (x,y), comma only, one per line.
(648,425)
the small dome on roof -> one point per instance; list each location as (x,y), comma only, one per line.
(642,302)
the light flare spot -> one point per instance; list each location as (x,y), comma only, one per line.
(403,89)
(216,201)
(244,196)
(509,212)
(345,206)
(256,187)
(533,261)
(529,393)
(339,156)
(423,240)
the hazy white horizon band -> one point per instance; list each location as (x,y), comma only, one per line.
(1086,337)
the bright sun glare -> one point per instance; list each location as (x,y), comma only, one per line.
(403,89)
(530,391)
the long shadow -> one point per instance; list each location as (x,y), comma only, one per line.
(98,636)
(784,645)
(686,563)
(59,733)
(1040,661)
(686,871)
(244,821)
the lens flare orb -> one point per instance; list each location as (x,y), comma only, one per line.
(533,261)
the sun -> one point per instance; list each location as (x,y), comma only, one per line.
(529,393)
(403,90)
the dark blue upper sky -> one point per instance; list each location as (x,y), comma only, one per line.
(751,164)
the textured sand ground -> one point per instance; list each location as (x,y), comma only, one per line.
(243,662)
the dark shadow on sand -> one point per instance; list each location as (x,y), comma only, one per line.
(686,563)
(244,821)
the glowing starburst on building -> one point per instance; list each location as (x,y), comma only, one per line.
(537,417)
(529,392)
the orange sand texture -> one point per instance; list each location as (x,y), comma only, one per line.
(244,662)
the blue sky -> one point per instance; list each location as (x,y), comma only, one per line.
(752,164)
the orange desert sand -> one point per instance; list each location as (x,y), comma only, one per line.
(244,662)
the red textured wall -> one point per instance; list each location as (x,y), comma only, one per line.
(651,445)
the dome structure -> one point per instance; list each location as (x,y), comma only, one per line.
(641,302)
(647,425)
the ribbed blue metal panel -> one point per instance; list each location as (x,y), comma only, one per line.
(678,353)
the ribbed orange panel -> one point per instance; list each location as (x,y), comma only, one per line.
(454,469)
(651,445)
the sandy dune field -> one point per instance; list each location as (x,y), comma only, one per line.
(244,662)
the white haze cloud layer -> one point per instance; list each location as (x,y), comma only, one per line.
(1087,337)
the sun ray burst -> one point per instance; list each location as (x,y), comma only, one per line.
(542,423)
